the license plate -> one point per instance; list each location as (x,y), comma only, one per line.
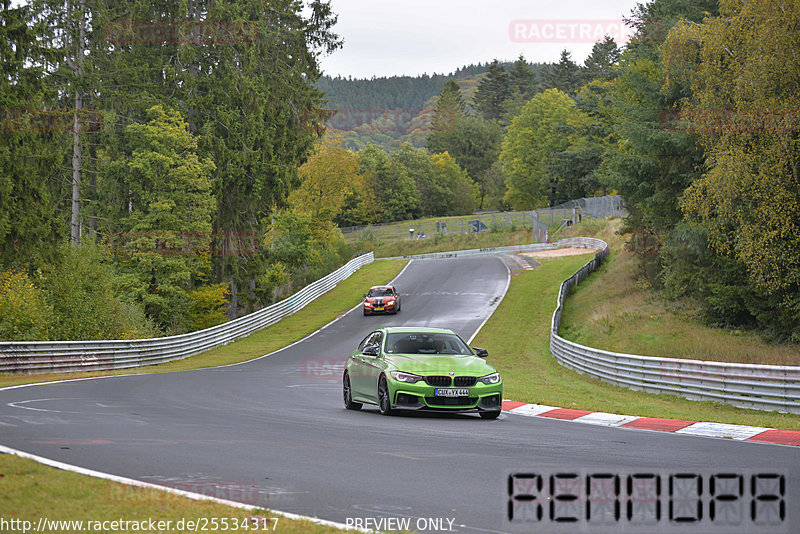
(450,392)
(379,308)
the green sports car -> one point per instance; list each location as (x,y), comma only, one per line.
(421,369)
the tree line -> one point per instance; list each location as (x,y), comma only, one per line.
(154,141)
(192,167)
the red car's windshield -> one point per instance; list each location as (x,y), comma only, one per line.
(380,292)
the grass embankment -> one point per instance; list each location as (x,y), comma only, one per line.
(614,311)
(457,224)
(517,337)
(315,315)
(30,491)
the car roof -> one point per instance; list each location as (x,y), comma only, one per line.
(387,286)
(420,330)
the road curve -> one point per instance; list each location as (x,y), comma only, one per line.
(273,431)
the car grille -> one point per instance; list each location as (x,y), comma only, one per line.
(464,381)
(438,381)
(451,401)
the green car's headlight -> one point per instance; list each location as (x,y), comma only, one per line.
(493,378)
(400,376)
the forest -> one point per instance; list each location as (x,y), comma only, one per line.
(170,176)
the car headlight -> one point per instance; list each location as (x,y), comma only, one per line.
(493,378)
(400,376)
(389,301)
(368,304)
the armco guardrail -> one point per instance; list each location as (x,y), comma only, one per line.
(514,249)
(67,356)
(763,387)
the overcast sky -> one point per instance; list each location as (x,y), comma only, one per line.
(395,37)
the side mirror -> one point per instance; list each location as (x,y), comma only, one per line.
(370,350)
(364,295)
(480,353)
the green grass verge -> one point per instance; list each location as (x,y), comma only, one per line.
(517,337)
(315,315)
(32,491)
(613,310)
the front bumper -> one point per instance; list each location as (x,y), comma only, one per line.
(421,396)
(374,310)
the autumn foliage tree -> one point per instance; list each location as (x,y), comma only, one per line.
(327,180)
(744,74)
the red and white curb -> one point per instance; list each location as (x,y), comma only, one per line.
(521,262)
(692,428)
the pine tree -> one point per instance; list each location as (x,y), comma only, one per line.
(523,79)
(493,91)
(70,65)
(449,108)
(168,228)
(602,61)
(31,143)
(564,75)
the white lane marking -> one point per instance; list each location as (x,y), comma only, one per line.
(41,419)
(17,405)
(532,409)
(6,424)
(720,430)
(496,304)
(174,491)
(450,294)
(606,419)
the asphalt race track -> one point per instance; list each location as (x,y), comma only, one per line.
(274,432)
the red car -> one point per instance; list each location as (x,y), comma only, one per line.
(381,299)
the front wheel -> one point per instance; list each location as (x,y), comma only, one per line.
(384,402)
(490,415)
(347,393)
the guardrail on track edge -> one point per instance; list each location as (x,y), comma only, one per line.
(762,387)
(105,355)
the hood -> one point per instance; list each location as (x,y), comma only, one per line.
(438,364)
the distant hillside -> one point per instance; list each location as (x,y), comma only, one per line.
(390,111)
(394,92)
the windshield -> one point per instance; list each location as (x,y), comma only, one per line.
(424,343)
(380,292)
